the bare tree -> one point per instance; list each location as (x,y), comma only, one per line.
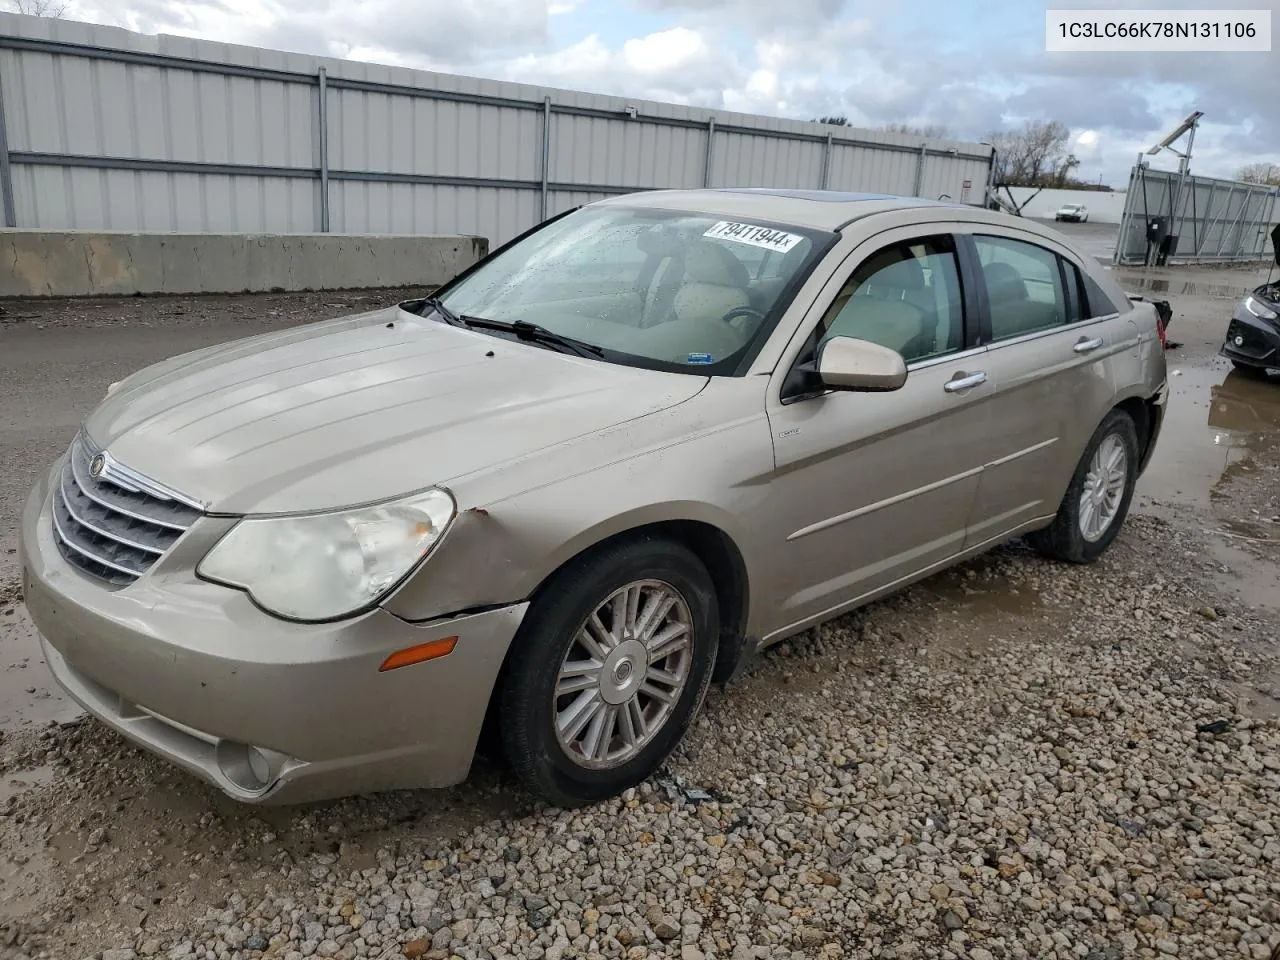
(931,131)
(1267,173)
(1033,156)
(42,8)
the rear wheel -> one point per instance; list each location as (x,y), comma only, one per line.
(1097,500)
(609,670)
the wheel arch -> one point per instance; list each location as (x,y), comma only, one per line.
(712,545)
(1146,415)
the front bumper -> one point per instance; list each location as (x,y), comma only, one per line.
(266,710)
(1260,339)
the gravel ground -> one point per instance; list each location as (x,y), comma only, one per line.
(1014,759)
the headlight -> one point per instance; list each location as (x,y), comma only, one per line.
(1258,309)
(330,565)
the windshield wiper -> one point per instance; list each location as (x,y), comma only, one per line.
(536,334)
(446,314)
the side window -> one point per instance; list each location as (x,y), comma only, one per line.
(1097,303)
(905,297)
(1024,286)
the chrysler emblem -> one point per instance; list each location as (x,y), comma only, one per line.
(96,465)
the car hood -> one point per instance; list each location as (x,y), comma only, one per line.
(360,409)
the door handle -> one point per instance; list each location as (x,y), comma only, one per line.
(965,381)
(1087,345)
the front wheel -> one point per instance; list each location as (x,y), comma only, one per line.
(609,670)
(1097,500)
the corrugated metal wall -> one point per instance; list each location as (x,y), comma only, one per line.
(106,129)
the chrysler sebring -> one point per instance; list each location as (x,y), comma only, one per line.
(589,476)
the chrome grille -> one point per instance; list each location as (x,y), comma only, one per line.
(114,526)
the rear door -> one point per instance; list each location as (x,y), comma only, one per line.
(1050,363)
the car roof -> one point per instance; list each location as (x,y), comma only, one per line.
(814,209)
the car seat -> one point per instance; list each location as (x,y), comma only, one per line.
(892,308)
(1013,312)
(714,282)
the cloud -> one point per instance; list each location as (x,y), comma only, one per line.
(396,31)
(771,14)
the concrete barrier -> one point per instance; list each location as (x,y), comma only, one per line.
(76,263)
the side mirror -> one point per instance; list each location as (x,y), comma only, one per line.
(845,363)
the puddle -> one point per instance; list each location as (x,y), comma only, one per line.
(1240,574)
(1188,288)
(1257,703)
(1216,421)
(20,781)
(979,588)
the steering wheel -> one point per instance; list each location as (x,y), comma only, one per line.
(748,313)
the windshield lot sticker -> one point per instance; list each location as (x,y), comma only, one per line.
(699,358)
(749,233)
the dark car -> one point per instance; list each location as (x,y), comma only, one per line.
(1253,337)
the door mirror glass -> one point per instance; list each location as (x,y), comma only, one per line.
(846,363)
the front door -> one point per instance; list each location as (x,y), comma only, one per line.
(873,487)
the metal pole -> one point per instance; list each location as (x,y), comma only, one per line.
(826,163)
(1195,216)
(1217,217)
(990,190)
(1222,237)
(546,154)
(1208,209)
(1146,212)
(1184,163)
(1247,222)
(1126,215)
(6,174)
(710,154)
(1244,202)
(324,150)
(1266,234)
(920,170)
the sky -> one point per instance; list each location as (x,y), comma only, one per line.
(974,66)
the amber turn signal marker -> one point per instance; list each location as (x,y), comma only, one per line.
(430,650)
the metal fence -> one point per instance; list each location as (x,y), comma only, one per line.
(1210,220)
(105,129)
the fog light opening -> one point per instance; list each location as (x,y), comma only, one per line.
(247,767)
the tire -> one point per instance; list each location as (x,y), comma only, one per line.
(532,717)
(1066,538)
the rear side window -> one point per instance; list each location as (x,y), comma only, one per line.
(1024,286)
(1097,303)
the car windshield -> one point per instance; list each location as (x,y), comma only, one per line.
(655,288)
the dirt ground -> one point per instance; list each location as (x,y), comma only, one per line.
(102,846)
